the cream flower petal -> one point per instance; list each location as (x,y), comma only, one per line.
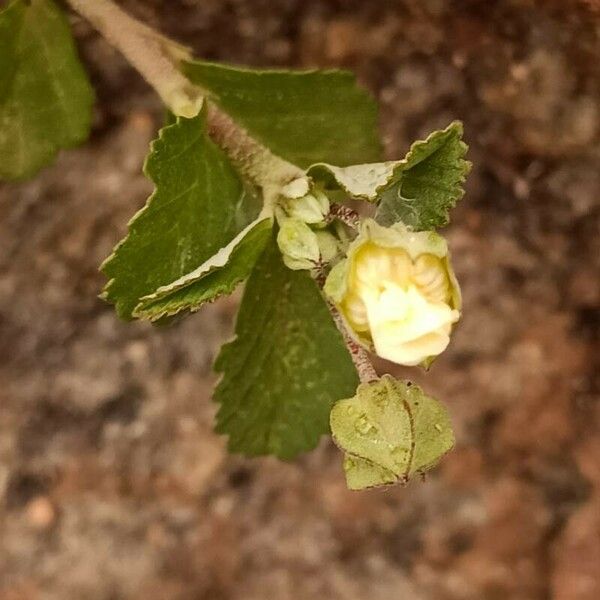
(397,292)
(399,318)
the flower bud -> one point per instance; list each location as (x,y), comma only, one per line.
(310,208)
(397,292)
(298,243)
(329,245)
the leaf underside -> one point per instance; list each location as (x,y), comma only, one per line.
(427,184)
(390,431)
(45,96)
(198,207)
(361,182)
(286,366)
(304,117)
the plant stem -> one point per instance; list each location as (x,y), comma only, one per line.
(360,358)
(157,59)
(153,55)
(345,214)
(257,162)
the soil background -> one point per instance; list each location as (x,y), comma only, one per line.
(112,483)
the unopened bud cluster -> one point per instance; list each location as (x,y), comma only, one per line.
(301,214)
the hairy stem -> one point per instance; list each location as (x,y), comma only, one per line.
(153,55)
(157,58)
(345,214)
(360,358)
(256,161)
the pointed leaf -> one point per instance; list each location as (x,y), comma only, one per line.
(219,275)
(390,430)
(427,183)
(198,206)
(304,117)
(45,96)
(286,366)
(432,172)
(418,190)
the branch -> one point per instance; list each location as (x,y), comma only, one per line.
(360,358)
(154,56)
(345,214)
(157,59)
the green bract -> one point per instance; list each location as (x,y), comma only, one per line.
(390,431)
(45,97)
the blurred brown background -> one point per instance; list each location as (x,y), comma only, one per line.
(113,485)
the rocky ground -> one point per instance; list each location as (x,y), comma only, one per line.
(113,485)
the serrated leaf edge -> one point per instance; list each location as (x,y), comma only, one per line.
(215,262)
(106,291)
(391,171)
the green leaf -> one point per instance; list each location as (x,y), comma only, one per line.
(427,183)
(304,117)
(199,205)
(418,190)
(219,275)
(286,366)
(45,96)
(390,431)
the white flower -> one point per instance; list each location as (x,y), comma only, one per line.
(397,293)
